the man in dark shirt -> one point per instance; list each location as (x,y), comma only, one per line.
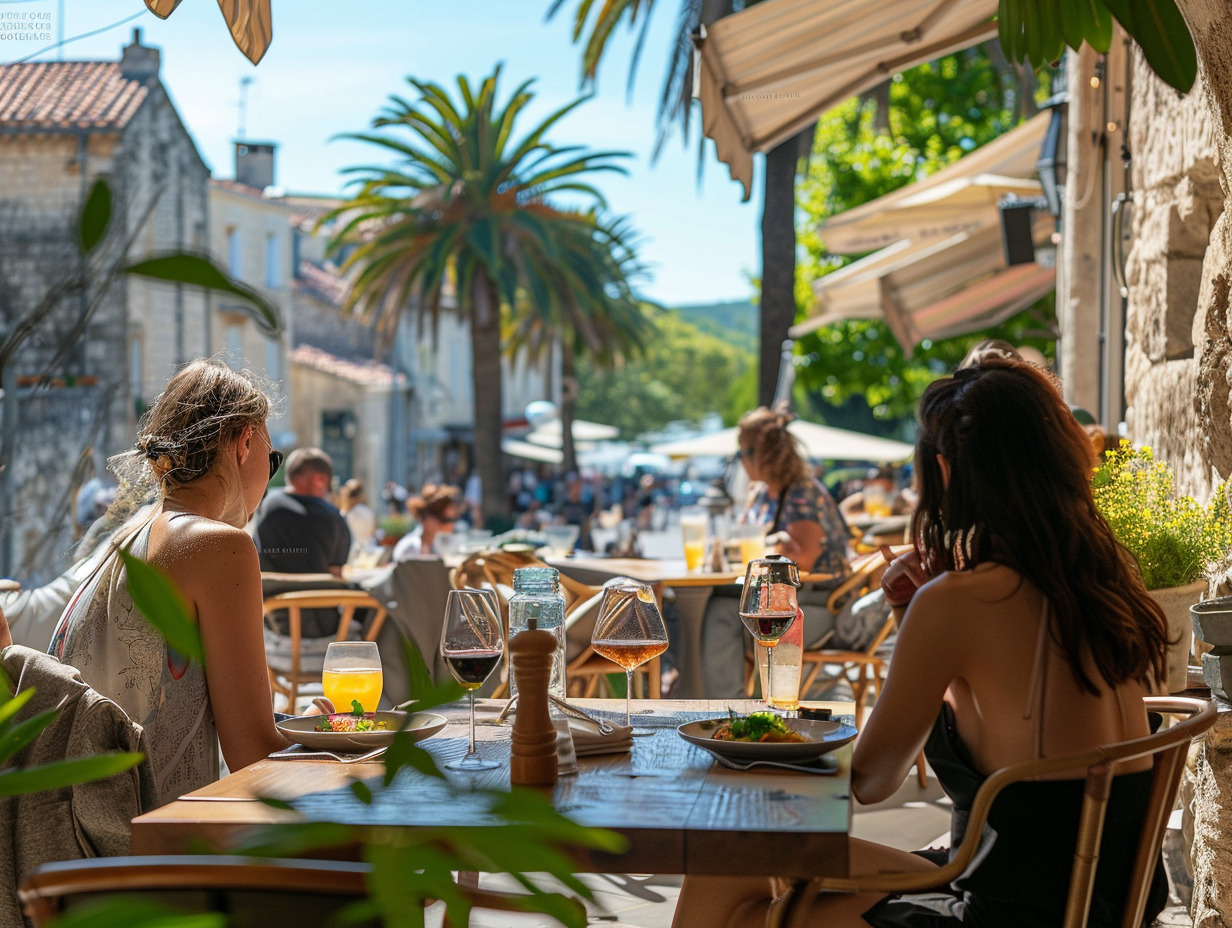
(299,531)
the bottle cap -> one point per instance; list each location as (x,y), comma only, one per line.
(527,577)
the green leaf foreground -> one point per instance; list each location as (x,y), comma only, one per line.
(201,271)
(1039,30)
(19,782)
(163,606)
(134,912)
(95,217)
(412,868)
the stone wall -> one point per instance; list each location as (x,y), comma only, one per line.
(1177,201)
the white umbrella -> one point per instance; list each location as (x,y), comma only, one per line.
(820,441)
(550,433)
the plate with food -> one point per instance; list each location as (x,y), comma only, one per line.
(359,731)
(767,736)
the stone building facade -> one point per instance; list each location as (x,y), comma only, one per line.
(93,356)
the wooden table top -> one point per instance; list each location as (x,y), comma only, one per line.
(680,812)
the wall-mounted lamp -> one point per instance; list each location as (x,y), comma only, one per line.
(1016,234)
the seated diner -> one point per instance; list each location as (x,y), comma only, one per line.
(1026,633)
(203,455)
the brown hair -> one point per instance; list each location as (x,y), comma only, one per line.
(351,494)
(1019,494)
(313,460)
(204,406)
(433,501)
(776,452)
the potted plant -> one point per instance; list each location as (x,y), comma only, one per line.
(1176,540)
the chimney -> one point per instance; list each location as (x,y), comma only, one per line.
(254,164)
(139,62)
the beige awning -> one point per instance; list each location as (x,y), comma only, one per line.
(773,68)
(931,290)
(961,197)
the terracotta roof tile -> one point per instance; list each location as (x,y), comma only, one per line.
(68,95)
(366,373)
(324,284)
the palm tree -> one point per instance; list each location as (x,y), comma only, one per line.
(467,205)
(595,311)
(778,218)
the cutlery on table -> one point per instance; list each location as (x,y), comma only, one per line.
(293,754)
(821,767)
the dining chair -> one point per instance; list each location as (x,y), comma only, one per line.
(252,892)
(294,660)
(585,671)
(1168,749)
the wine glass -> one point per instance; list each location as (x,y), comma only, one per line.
(352,674)
(768,604)
(472,642)
(629,630)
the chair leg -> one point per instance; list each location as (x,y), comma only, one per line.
(921,771)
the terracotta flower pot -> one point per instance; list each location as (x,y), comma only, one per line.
(1175,602)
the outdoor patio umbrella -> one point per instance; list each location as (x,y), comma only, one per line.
(820,441)
(550,434)
(770,70)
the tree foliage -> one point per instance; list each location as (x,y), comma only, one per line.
(855,373)
(683,374)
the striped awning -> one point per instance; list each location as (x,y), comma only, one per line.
(768,71)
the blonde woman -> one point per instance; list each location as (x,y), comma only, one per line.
(205,446)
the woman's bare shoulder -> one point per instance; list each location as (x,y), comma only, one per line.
(199,541)
(958,596)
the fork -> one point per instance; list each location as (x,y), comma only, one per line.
(292,754)
(822,768)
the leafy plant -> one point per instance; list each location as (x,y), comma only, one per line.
(1175,539)
(1039,30)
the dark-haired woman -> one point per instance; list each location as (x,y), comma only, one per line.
(800,518)
(1026,632)
(204,450)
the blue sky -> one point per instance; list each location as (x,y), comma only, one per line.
(333,63)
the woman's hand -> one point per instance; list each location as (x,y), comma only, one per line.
(902,578)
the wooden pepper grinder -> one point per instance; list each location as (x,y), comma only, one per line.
(533,757)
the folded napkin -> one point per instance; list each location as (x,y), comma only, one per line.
(588,741)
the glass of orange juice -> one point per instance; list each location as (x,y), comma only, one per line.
(693,533)
(352,673)
(751,540)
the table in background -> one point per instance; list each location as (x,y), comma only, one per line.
(692,592)
(680,812)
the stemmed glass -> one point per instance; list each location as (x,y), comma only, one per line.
(472,642)
(768,604)
(352,673)
(629,630)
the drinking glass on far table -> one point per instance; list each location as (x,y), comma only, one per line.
(352,673)
(693,534)
(751,540)
(768,605)
(629,630)
(472,642)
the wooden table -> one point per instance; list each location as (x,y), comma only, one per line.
(692,592)
(680,812)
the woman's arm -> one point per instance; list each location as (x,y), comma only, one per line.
(927,658)
(801,542)
(222,578)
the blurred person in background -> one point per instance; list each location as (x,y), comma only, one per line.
(360,518)
(436,510)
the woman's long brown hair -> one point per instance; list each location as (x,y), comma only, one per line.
(1019,494)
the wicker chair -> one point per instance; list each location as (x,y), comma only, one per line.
(585,670)
(1168,747)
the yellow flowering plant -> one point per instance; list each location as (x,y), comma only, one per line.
(1175,539)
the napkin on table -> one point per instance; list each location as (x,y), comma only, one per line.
(587,740)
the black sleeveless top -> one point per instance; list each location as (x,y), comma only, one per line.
(1020,875)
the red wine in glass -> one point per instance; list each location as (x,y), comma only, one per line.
(768,627)
(471,668)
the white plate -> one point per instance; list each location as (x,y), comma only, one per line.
(302,730)
(824,737)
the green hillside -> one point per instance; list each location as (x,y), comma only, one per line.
(736,322)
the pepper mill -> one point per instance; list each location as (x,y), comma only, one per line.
(533,756)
